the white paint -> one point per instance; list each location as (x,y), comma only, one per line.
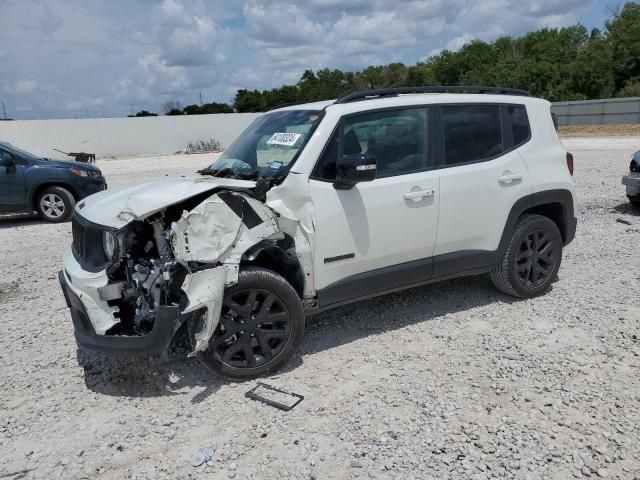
(205,289)
(205,233)
(123,136)
(116,208)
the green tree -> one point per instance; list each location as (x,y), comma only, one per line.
(623,34)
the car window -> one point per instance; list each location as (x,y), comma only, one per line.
(396,139)
(519,124)
(5,158)
(471,133)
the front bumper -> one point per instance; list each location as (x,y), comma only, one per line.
(90,186)
(92,316)
(632,182)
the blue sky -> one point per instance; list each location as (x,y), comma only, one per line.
(79,58)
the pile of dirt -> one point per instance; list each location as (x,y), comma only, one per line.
(630,130)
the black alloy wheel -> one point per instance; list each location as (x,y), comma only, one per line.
(532,258)
(261,326)
(536,258)
(253,328)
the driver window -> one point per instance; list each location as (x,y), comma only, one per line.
(5,158)
(396,139)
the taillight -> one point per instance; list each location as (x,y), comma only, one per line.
(570,162)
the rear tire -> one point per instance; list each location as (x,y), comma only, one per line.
(261,327)
(55,204)
(532,258)
(634,200)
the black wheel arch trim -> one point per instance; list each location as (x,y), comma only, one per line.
(562,197)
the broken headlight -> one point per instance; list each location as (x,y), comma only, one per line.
(109,245)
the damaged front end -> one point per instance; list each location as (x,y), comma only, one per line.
(132,288)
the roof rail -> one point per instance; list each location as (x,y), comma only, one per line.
(393,92)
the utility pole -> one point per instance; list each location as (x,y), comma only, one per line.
(200,98)
(131,108)
(4,110)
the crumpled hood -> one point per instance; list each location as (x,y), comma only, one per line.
(117,207)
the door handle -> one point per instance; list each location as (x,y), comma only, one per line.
(509,177)
(418,195)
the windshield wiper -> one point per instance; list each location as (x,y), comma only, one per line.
(227,173)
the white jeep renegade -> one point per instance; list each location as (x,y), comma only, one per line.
(319,205)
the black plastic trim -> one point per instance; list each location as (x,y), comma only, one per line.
(339,257)
(155,342)
(241,208)
(557,196)
(392,92)
(376,282)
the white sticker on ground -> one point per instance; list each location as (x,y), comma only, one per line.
(283,138)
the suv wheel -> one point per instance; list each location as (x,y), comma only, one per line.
(261,326)
(532,258)
(634,200)
(55,204)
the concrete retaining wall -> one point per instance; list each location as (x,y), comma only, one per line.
(122,136)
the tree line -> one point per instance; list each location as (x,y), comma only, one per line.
(568,63)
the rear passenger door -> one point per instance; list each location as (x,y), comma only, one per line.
(481,176)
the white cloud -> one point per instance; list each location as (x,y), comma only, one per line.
(144,53)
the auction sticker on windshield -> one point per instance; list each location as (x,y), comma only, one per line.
(284,138)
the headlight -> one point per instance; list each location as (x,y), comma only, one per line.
(79,173)
(109,244)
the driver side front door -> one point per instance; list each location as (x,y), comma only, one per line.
(12,184)
(379,235)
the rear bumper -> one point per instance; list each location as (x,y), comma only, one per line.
(155,341)
(632,182)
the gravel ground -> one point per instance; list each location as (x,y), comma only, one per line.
(447,381)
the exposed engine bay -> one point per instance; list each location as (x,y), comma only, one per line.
(185,256)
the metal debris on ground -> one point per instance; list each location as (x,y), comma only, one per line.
(622,220)
(275,397)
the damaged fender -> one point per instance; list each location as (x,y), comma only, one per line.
(205,289)
(218,231)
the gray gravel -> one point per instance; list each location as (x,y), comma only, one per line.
(447,381)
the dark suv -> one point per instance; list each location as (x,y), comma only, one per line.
(29,183)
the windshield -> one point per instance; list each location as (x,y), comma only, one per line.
(21,153)
(268,146)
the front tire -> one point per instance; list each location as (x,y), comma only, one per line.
(261,327)
(532,258)
(55,204)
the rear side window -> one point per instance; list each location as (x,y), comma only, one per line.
(519,124)
(471,133)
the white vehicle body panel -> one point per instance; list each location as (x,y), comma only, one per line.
(475,201)
(116,208)
(375,223)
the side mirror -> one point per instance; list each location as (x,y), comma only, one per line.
(354,169)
